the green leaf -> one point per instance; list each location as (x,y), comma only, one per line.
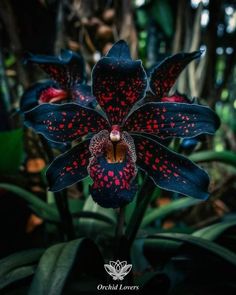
(162,13)
(11,150)
(213,232)
(18,266)
(163,211)
(40,207)
(66,264)
(177,239)
(226,157)
(90,226)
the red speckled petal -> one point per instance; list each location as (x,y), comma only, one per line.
(69,168)
(67,69)
(169,170)
(118,83)
(172,120)
(166,73)
(64,123)
(113,185)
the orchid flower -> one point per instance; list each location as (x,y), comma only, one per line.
(67,83)
(117,139)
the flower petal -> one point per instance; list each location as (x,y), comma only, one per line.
(119,50)
(69,167)
(118,83)
(172,120)
(40,92)
(67,69)
(113,185)
(165,74)
(64,123)
(169,170)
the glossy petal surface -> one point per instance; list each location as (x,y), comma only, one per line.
(172,120)
(169,170)
(164,76)
(69,167)
(118,84)
(64,123)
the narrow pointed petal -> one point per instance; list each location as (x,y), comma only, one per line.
(67,69)
(164,75)
(69,167)
(119,50)
(169,170)
(172,120)
(118,84)
(64,123)
(41,92)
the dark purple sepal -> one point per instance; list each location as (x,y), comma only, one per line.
(118,84)
(66,122)
(164,75)
(119,50)
(172,120)
(169,170)
(67,69)
(69,167)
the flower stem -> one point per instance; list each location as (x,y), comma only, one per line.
(61,200)
(143,199)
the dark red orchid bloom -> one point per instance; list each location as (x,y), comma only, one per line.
(67,72)
(117,138)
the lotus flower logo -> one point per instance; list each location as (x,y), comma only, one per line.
(118,269)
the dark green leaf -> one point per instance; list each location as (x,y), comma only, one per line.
(163,211)
(65,264)
(18,266)
(11,150)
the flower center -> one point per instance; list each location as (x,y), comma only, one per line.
(115,152)
(115,133)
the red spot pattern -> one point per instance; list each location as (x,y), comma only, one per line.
(66,122)
(117,86)
(70,167)
(119,178)
(171,120)
(169,170)
(67,74)
(111,175)
(165,74)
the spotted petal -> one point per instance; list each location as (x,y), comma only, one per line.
(172,120)
(67,69)
(118,83)
(69,167)
(64,123)
(164,75)
(113,185)
(169,170)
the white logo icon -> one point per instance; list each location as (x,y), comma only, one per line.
(118,269)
